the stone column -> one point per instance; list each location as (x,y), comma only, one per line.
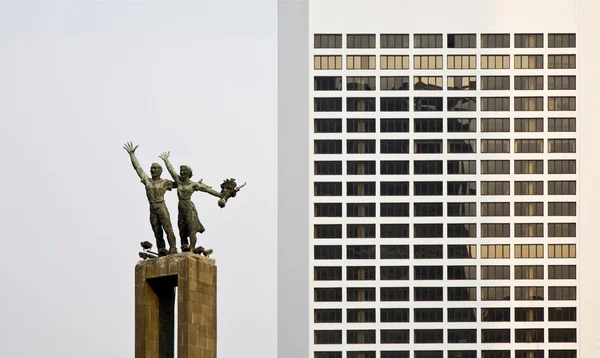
(195,277)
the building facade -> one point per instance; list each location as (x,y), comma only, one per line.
(439,213)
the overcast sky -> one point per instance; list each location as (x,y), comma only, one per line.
(77,80)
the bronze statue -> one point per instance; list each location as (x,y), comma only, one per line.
(155,191)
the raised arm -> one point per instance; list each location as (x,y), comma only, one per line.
(130,148)
(165,157)
(200,186)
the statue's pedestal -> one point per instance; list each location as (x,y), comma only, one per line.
(195,278)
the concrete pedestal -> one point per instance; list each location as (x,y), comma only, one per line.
(195,278)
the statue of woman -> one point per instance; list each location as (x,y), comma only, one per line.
(188,221)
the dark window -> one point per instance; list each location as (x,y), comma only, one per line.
(562,125)
(360,188)
(495,103)
(360,104)
(394,314)
(429,315)
(428,146)
(462,125)
(424,167)
(328,168)
(529,167)
(394,104)
(562,103)
(360,252)
(330,231)
(462,272)
(328,125)
(462,209)
(365,83)
(328,209)
(462,294)
(428,294)
(428,104)
(360,315)
(561,61)
(394,167)
(462,41)
(328,252)
(328,41)
(561,40)
(529,354)
(394,252)
(428,251)
(428,83)
(328,146)
(427,41)
(462,336)
(566,187)
(328,189)
(429,273)
(393,209)
(360,167)
(462,83)
(562,353)
(360,294)
(428,230)
(328,294)
(562,335)
(428,188)
(328,83)
(526,314)
(394,354)
(495,314)
(361,337)
(462,167)
(495,124)
(360,41)
(360,146)
(328,104)
(495,354)
(559,293)
(394,294)
(562,272)
(462,230)
(394,125)
(462,188)
(462,146)
(395,146)
(429,354)
(354,231)
(561,166)
(529,272)
(529,83)
(529,103)
(529,336)
(328,315)
(328,337)
(495,336)
(562,314)
(428,125)
(462,315)
(394,188)
(388,231)
(462,104)
(495,230)
(360,273)
(501,272)
(389,336)
(393,273)
(529,40)
(562,83)
(495,41)
(394,83)
(462,354)
(495,83)
(328,273)
(428,209)
(393,40)
(429,336)
(360,354)
(360,126)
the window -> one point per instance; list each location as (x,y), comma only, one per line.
(495,230)
(529,209)
(360,337)
(360,273)
(388,231)
(394,336)
(462,62)
(462,336)
(394,209)
(428,251)
(562,314)
(428,273)
(561,61)
(391,62)
(495,167)
(561,167)
(462,209)
(428,209)
(429,336)
(561,230)
(328,209)
(328,62)
(328,273)
(462,41)
(529,272)
(328,41)
(562,272)
(462,251)
(561,145)
(394,188)
(360,146)
(462,230)
(495,314)
(360,125)
(328,315)
(496,293)
(428,230)
(529,167)
(428,41)
(562,293)
(394,314)
(495,103)
(495,83)
(361,354)
(354,231)
(462,272)
(393,273)
(495,188)
(360,315)
(561,40)
(394,146)
(328,294)
(360,83)
(394,104)
(562,335)
(462,146)
(330,231)
(495,336)
(394,252)
(360,167)
(462,167)
(360,104)
(394,83)
(529,103)
(360,62)
(462,188)
(562,125)
(561,251)
(360,294)
(360,41)
(529,146)
(495,272)
(462,315)
(561,103)
(354,210)
(393,125)
(330,83)
(428,62)
(495,209)
(462,125)
(562,82)
(393,41)
(327,189)
(495,354)
(495,146)
(462,104)
(529,124)
(328,168)
(529,83)
(393,294)
(428,104)
(495,62)
(328,337)
(328,125)
(495,40)
(425,167)
(328,104)
(427,146)
(360,188)
(529,40)
(562,209)
(495,124)
(428,315)
(529,61)
(462,294)
(428,83)
(535,335)
(328,252)
(394,167)
(529,188)
(495,251)
(529,314)
(529,230)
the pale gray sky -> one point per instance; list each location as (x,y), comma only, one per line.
(77,80)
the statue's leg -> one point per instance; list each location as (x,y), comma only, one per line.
(158,232)
(165,221)
(183,234)
(193,241)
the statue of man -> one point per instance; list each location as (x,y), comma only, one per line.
(155,191)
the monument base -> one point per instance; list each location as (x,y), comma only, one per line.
(195,278)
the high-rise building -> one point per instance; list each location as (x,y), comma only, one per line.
(430,190)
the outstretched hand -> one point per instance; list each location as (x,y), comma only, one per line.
(130,148)
(165,156)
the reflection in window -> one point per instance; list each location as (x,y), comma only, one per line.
(360,62)
(562,103)
(462,104)
(561,61)
(561,40)
(394,83)
(428,83)
(328,168)
(529,61)
(495,40)
(529,40)
(561,82)
(360,125)
(462,125)
(495,104)
(428,104)
(394,104)
(495,124)
(328,62)
(360,41)
(360,83)
(495,83)
(529,124)
(360,294)
(529,83)
(325,125)
(462,41)
(332,83)
(427,41)
(393,40)
(328,41)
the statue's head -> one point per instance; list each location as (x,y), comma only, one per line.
(185,172)
(155,170)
